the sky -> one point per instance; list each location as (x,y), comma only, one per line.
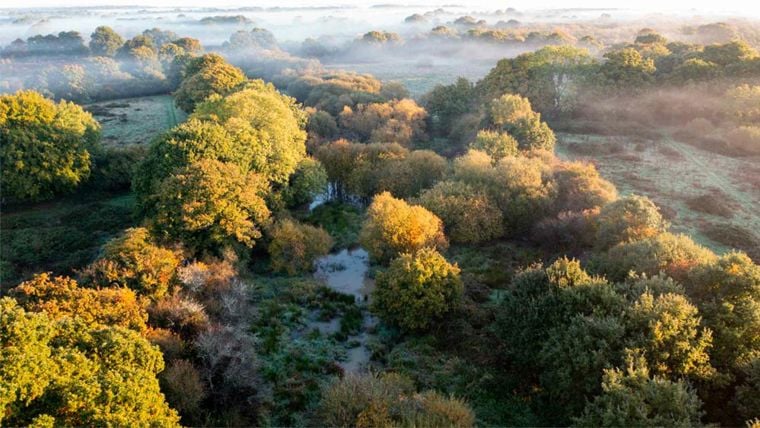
(740,7)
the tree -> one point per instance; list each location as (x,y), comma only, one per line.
(548,77)
(408,176)
(628,219)
(627,68)
(133,260)
(580,187)
(104,41)
(307,182)
(44,147)
(445,103)
(397,121)
(213,79)
(666,329)
(495,143)
(727,291)
(62,297)
(66,372)
(393,227)
(634,398)
(514,114)
(673,254)
(469,216)
(417,290)
(520,188)
(295,247)
(267,125)
(389,400)
(189,142)
(209,204)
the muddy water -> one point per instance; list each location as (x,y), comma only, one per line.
(346,272)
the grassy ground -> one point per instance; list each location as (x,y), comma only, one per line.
(135,120)
(59,236)
(713,198)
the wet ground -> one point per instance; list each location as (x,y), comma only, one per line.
(346,272)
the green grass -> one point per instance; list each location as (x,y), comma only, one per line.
(341,221)
(59,236)
(135,121)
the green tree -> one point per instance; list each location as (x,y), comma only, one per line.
(268,127)
(393,227)
(295,246)
(66,372)
(44,147)
(133,260)
(469,216)
(666,329)
(634,398)
(627,68)
(217,78)
(210,204)
(308,181)
(445,103)
(62,297)
(514,114)
(104,41)
(417,290)
(629,219)
(189,142)
(495,143)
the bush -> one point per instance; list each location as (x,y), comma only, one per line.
(417,290)
(181,384)
(634,398)
(468,216)
(45,146)
(746,139)
(133,260)
(672,254)
(394,227)
(295,246)
(210,204)
(179,314)
(496,144)
(62,297)
(569,230)
(629,219)
(389,400)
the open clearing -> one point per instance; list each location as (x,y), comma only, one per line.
(713,198)
(131,121)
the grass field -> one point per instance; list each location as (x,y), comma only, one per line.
(711,197)
(135,120)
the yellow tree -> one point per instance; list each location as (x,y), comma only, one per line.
(393,227)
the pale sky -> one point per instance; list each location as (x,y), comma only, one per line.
(739,7)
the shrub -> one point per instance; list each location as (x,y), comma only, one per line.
(579,187)
(629,219)
(634,398)
(394,227)
(468,216)
(210,204)
(496,144)
(295,246)
(673,254)
(61,297)
(569,230)
(389,400)
(417,290)
(179,314)
(181,384)
(44,147)
(133,260)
